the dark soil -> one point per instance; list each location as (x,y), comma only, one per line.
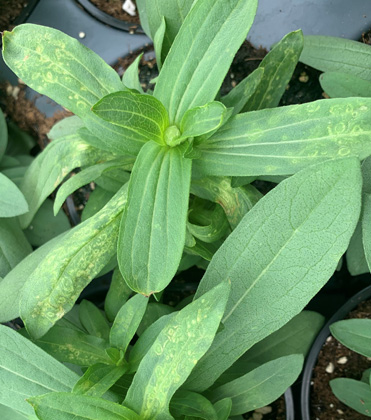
(114,9)
(324,404)
(9,11)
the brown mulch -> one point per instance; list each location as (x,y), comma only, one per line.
(114,9)
(9,11)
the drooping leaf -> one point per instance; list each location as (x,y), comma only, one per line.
(285,140)
(327,53)
(97,200)
(261,386)
(98,379)
(67,406)
(355,255)
(14,246)
(152,230)
(191,404)
(27,371)
(174,354)
(54,286)
(240,94)
(354,334)
(118,293)
(127,321)
(158,42)
(279,65)
(12,201)
(139,117)
(93,320)
(355,394)
(130,78)
(343,85)
(187,79)
(3,135)
(272,260)
(113,179)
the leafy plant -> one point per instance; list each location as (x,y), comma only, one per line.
(266,256)
(354,334)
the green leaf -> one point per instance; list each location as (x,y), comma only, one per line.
(342,85)
(187,79)
(283,141)
(98,379)
(154,311)
(83,178)
(20,142)
(14,246)
(127,321)
(93,320)
(186,403)
(113,179)
(118,293)
(58,66)
(48,170)
(57,282)
(140,118)
(366,228)
(28,371)
(16,175)
(354,394)
(158,42)
(152,230)
(223,408)
(11,286)
(12,201)
(279,65)
(130,78)
(272,262)
(327,53)
(45,226)
(218,227)
(7,413)
(66,406)
(261,386)
(240,94)
(72,346)
(174,354)
(355,255)
(3,135)
(97,200)
(203,249)
(354,334)
(202,119)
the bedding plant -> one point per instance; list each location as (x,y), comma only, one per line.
(174,169)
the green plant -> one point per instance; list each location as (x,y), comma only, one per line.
(147,151)
(354,334)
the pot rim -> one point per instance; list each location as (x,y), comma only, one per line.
(110,20)
(351,304)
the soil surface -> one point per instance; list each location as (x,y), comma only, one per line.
(9,11)
(114,9)
(274,411)
(324,404)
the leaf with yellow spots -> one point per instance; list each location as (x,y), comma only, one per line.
(175,353)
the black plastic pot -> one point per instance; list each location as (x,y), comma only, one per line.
(319,342)
(289,404)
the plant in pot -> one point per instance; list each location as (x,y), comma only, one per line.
(161,145)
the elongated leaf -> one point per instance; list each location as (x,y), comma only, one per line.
(140,117)
(260,386)
(54,286)
(14,246)
(279,65)
(174,354)
(217,228)
(113,179)
(82,178)
(127,321)
(7,413)
(12,201)
(97,200)
(98,379)
(3,135)
(118,293)
(355,255)
(283,141)
(47,171)
(342,85)
(186,403)
(65,406)
(158,42)
(354,334)
(16,175)
(186,79)
(58,66)
(240,94)
(27,371)
(327,53)
(223,408)
(72,346)
(152,231)
(202,119)
(20,142)
(12,284)
(130,78)
(355,394)
(272,261)
(154,311)
(366,228)
(93,320)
